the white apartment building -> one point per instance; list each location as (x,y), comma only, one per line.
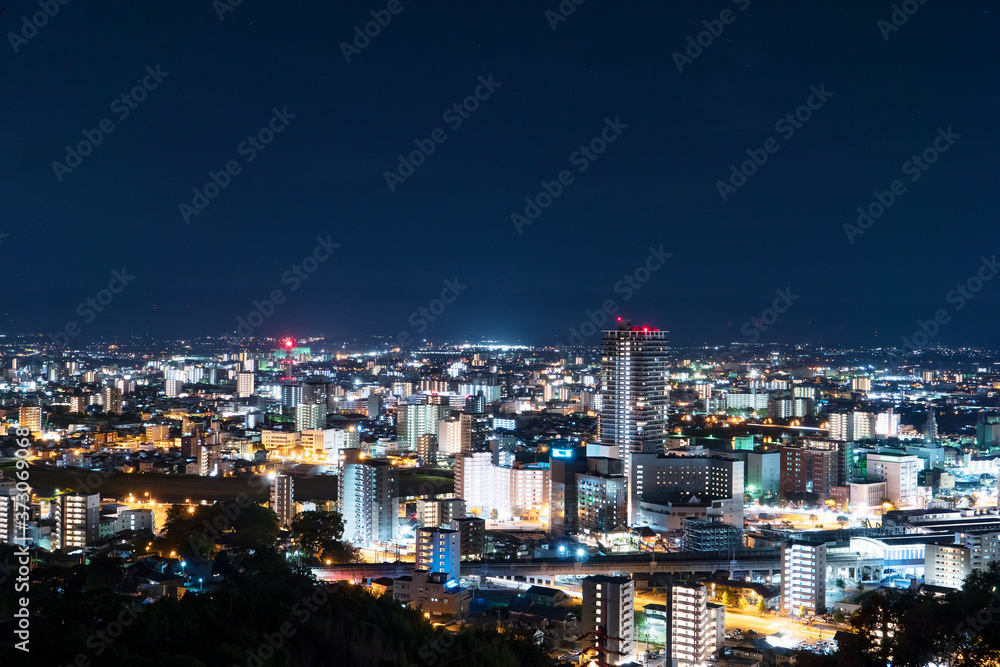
(852,426)
(283,499)
(450,436)
(432,512)
(472,481)
(368,493)
(9,527)
(803,577)
(310,416)
(887,424)
(949,564)
(486,487)
(77,517)
(746,401)
(609,607)
(692,630)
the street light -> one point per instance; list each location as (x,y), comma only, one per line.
(200,587)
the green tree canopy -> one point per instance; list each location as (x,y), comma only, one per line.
(312,530)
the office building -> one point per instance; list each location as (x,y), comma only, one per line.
(602,497)
(843,460)
(326,444)
(803,577)
(867,494)
(368,497)
(77,519)
(609,608)
(373,407)
(899,472)
(283,441)
(316,391)
(157,432)
(283,499)
(634,393)
(930,426)
(439,550)
(138,520)
(673,479)
(244,384)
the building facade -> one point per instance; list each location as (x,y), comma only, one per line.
(634,393)
(609,608)
(369,498)
(803,577)
(77,519)
(439,550)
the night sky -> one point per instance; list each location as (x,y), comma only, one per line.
(607,64)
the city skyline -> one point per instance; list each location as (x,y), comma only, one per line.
(646,334)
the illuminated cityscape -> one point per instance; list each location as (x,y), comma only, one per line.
(721,477)
(457,334)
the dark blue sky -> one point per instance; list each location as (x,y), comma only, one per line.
(656,184)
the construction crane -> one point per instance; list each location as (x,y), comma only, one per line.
(600,646)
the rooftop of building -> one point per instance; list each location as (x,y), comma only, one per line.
(762,590)
(607,579)
(543,590)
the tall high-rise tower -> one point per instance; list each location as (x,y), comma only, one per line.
(634,391)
